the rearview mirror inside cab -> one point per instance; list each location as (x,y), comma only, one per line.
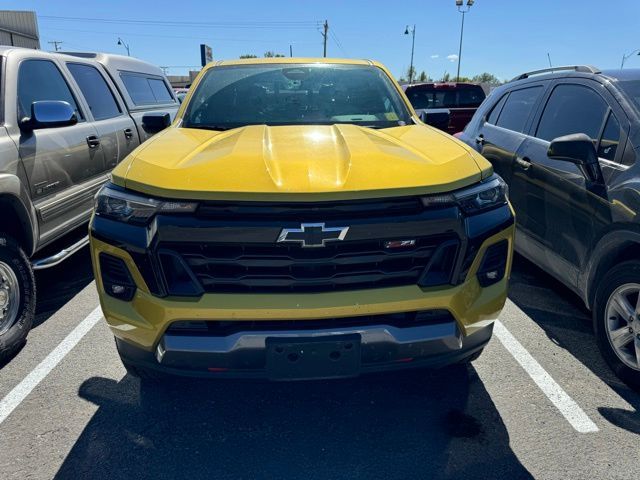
(438,118)
(49,114)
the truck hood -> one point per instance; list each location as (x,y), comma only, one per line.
(298,162)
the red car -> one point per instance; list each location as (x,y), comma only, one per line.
(435,100)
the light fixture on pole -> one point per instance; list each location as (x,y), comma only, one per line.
(625,57)
(462,10)
(407,31)
(121,42)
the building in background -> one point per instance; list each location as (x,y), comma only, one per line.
(183,81)
(19,29)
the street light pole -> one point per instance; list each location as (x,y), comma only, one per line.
(625,57)
(121,42)
(413,44)
(462,10)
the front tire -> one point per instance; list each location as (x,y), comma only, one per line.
(616,317)
(17,297)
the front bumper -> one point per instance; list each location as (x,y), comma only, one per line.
(244,355)
(141,326)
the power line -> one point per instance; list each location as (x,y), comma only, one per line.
(55,44)
(155,35)
(175,23)
(338,42)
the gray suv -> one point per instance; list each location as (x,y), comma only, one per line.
(566,140)
(67,120)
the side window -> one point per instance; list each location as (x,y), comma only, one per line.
(572,109)
(518,107)
(610,139)
(138,88)
(145,90)
(41,80)
(96,91)
(495,111)
(160,90)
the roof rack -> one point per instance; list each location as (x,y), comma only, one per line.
(575,68)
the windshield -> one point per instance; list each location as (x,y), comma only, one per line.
(305,94)
(632,89)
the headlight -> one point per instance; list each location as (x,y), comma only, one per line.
(491,193)
(133,208)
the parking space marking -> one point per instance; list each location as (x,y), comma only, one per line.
(554,392)
(9,403)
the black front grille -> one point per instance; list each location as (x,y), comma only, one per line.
(344,265)
(223,328)
(312,211)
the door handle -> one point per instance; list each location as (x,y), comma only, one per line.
(480,139)
(128,133)
(523,163)
(93,141)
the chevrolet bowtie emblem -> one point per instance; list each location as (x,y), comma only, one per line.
(312,234)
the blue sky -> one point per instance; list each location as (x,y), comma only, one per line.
(504,37)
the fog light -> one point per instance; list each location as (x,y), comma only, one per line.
(116,278)
(493,275)
(494,264)
(117,289)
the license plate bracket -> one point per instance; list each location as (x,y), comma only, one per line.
(331,356)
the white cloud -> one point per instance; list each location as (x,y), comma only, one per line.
(435,55)
(452,58)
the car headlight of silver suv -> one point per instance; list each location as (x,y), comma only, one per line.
(486,195)
(125,206)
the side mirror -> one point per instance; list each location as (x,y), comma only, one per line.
(49,114)
(155,122)
(577,148)
(438,118)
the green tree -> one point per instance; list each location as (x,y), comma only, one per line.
(248,55)
(271,54)
(411,73)
(423,77)
(487,77)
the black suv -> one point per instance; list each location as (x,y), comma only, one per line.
(566,141)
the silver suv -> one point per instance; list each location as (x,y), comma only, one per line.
(67,120)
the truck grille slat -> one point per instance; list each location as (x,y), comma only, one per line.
(273,268)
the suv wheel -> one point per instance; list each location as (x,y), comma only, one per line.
(17,297)
(616,316)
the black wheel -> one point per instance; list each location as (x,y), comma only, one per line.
(17,297)
(616,317)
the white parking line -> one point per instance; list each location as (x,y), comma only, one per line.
(563,402)
(9,403)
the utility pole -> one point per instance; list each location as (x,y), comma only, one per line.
(55,44)
(164,69)
(324,34)
(125,45)
(463,11)
(549,58)
(413,44)
(290,50)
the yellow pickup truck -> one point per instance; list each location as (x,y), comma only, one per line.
(299,220)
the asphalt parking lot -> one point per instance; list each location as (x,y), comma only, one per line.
(545,406)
